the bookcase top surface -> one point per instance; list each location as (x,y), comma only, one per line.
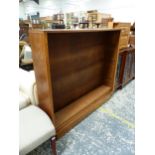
(73,30)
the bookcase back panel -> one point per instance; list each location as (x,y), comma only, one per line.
(77,63)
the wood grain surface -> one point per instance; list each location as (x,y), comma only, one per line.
(75,72)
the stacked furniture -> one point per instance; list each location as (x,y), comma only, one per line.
(69,20)
(107,22)
(95,17)
(58,21)
(126,60)
(125,32)
(75,72)
(46,21)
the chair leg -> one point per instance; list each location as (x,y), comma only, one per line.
(53,145)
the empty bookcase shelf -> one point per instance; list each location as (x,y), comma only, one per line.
(75,72)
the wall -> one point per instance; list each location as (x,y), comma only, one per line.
(22,11)
(121,10)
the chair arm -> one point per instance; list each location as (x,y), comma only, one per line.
(27,84)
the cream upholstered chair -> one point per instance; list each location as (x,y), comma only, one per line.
(27,88)
(24,100)
(35,128)
(35,125)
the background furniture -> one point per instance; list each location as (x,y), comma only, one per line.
(132,36)
(23,32)
(97,17)
(75,72)
(126,62)
(125,32)
(84,24)
(125,67)
(132,40)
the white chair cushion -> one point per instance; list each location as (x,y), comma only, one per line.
(24,100)
(35,128)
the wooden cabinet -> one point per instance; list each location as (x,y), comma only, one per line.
(95,17)
(125,31)
(75,72)
(125,67)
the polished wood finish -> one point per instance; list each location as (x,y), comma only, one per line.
(79,109)
(75,72)
(42,71)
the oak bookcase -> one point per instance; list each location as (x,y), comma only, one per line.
(75,72)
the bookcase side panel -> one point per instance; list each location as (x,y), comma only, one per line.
(39,45)
(111,57)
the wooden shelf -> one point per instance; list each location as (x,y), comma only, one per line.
(70,112)
(75,72)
